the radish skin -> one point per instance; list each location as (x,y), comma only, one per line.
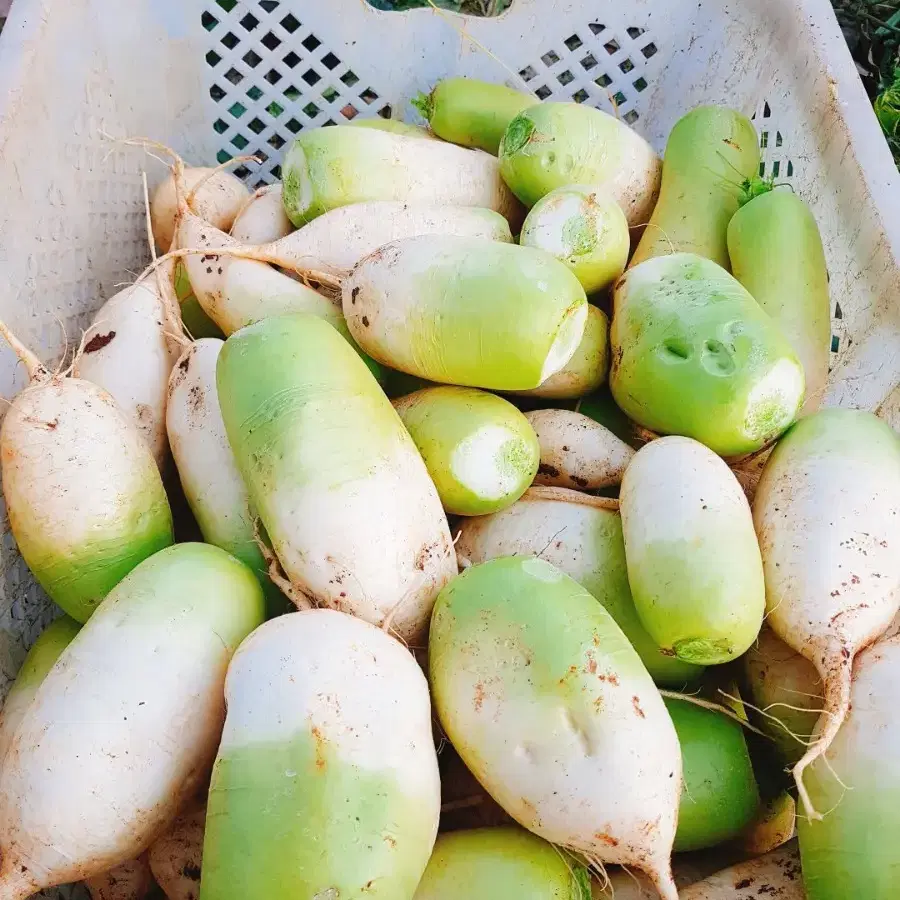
(397,126)
(826,511)
(263,218)
(776,875)
(131,880)
(552,710)
(176,859)
(333,474)
(131,713)
(576,451)
(322,706)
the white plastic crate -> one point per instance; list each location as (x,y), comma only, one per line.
(219,77)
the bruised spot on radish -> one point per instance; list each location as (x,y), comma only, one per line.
(98,342)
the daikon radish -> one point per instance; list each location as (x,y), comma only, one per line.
(84,496)
(130,881)
(326,782)
(826,513)
(776,875)
(124,728)
(262,218)
(552,710)
(176,859)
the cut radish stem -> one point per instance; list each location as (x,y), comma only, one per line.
(262,218)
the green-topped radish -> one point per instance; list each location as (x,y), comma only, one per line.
(123,729)
(711,151)
(553,145)
(545,700)
(329,167)
(694,354)
(194,319)
(576,451)
(263,219)
(776,875)
(586,370)
(132,880)
(326,781)
(582,536)
(826,513)
(478,448)
(83,494)
(176,858)
(396,126)
(583,227)
(465,311)
(470,112)
(334,475)
(488,863)
(776,253)
(693,562)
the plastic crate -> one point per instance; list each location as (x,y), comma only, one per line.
(219,77)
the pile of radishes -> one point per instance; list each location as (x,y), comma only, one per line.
(391,416)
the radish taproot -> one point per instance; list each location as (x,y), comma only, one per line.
(326,781)
(470,112)
(131,880)
(576,451)
(84,497)
(775,875)
(465,311)
(478,448)
(552,145)
(826,512)
(262,219)
(694,354)
(176,858)
(776,253)
(582,536)
(333,474)
(325,168)
(124,727)
(710,152)
(545,700)
(583,227)
(489,863)
(693,562)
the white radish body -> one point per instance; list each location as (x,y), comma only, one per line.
(130,354)
(263,218)
(776,875)
(826,511)
(576,451)
(132,880)
(176,859)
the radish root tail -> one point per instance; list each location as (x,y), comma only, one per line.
(35,368)
(276,572)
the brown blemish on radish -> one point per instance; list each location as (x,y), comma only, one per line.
(98,342)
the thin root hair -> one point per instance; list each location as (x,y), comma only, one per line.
(715,707)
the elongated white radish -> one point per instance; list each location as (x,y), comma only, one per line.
(326,781)
(576,451)
(176,859)
(338,482)
(775,875)
(550,707)
(131,880)
(123,729)
(84,496)
(826,512)
(693,562)
(262,219)
(130,354)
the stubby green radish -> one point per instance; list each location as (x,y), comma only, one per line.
(582,536)
(132,880)
(553,145)
(465,311)
(826,513)
(852,850)
(694,354)
(326,782)
(193,318)
(576,451)
(586,370)
(478,448)
(396,126)
(710,152)
(776,253)
(471,112)
(84,497)
(41,658)
(693,562)
(720,796)
(124,728)
(787,690)
(130,351)
(217,201)
(487,863)
(547,703)
(774,825)
(329,167)
(212,484)
(775,875)
(176,858)
(262,218)
(583,227)
(333,474)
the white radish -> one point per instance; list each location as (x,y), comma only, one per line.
(326,781)
(176,859)
(576,451)
(123,729)
(776,875)
(84,497)
(131,880)
(827,511)
(262,219)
